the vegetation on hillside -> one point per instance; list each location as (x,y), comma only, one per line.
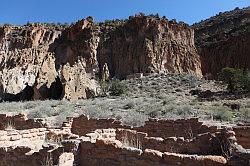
(235,79)
(156,96)
(222,26)
(113,88)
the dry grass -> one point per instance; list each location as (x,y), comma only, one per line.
(155,96)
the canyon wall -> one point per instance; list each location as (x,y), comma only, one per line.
(41,61)
(25,59)
(224,41)
(149,45)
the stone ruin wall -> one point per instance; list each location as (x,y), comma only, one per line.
(243,135)
(112,152)
(86,141)
(33,144)
(19,122)
(154,127)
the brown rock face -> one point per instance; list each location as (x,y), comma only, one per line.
(24,58)
(149,45)
(75,52)
(224,41)
(65,63)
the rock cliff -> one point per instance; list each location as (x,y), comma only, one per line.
(24,58)
(67,62)
(224,41)
(148,45)
(76,62)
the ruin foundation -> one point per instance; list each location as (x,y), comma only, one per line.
(92,142)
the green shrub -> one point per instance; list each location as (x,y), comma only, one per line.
(114,88)
(129,105)
(222,114)
(184,111)
(236,79)
(104,88)
(154,114)
(30,105)
(245,114)
(41,112)
(90,19)
(117,88)
(247,84)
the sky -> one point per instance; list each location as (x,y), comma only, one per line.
(190,11)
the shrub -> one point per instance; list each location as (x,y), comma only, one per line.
(222,114)
(154,114)
(41,112)
(30,105)
(247,83)
(29,23)
(245,114)
(117,88)
(103,88)
(129,105)
(236,79)
(130,17)
(90,19)
(132,118)
(140,14)
(9,126)
(184,111)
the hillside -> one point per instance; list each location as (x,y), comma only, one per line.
(165,96)
(224,41)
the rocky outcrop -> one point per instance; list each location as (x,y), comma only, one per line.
(224,41)
(75,52)
(149,45)
(66,63)
(25,60)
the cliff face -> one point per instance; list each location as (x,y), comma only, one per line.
(66,63)
(24,58)
(76,62)
(149,45)
(224,41)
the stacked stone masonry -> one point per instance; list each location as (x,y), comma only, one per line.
(84,141)
(243,135)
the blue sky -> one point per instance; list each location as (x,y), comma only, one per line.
(189,11)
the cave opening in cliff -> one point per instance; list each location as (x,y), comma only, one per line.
(26,94)
(56,89)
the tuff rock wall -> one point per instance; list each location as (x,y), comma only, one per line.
(37,59)
(224,41)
